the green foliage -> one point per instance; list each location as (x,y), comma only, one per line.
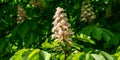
(102,33)
(98,57)
(31,54)
(18,55)
(97,32)
(23,29)
(107,56)
(85,38)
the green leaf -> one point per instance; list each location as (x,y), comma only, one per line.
(26,54)
(76,46)
(33,25)
(106,36)
(23,29)
(29,38)
(87,30)
(97,33)
(108,31)
(116,39)
(41,56)
(85,38)
(70,57)
(117,54)
(97,57)
(55,43)
(87,56)
(18,55)
(46,45)
(34,55)
(75,56)
(118,49)
(46,55)
(2,44)
(106,1)
(107,56)
(14,31)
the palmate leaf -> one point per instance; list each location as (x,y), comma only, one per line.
(94,31)
(97,32)
(31,54)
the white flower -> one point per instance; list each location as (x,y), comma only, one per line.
(57,19)
(63,22)
(59,9)
(54,29)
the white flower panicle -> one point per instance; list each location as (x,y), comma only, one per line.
(87,13)
(21,14)
(61,27)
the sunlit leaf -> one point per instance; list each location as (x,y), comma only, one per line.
(77,56)
(33,54)
(107,56)
(98,57)
(18,55)
(46,55)
(46,44)
(85,38)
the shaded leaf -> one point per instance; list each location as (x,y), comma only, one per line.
(29,38)
(106,36)
(87,30)
(23,29)
(97,33)
(33,25)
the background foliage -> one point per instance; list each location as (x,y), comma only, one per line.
(97,40)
